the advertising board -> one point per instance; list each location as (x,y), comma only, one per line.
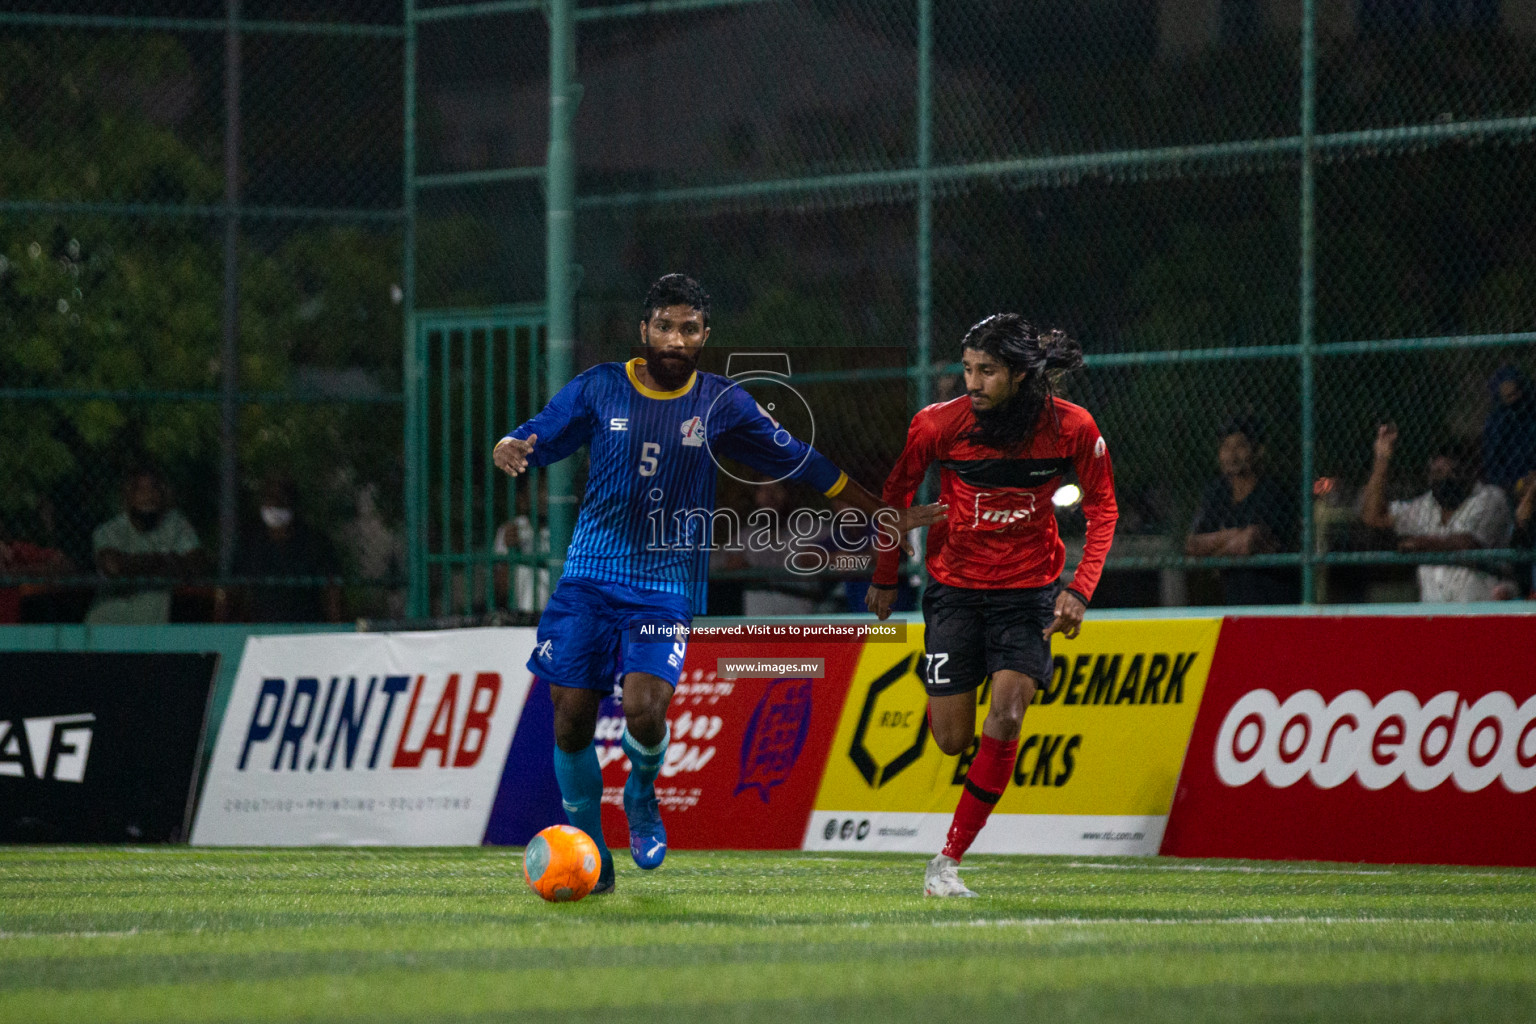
(100,747)
(390,738)
(746,753)
(1098,758)
(1390,739)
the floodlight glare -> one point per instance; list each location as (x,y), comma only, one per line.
(1067,496)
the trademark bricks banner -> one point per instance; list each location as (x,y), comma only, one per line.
(100,747)
(390,738)
(1365,739)
(746,754)
(1098,759)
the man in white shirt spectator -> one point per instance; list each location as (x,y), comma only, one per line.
(149,538)
(515,585)
(1457,513)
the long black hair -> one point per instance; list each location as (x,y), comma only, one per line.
(1045,356)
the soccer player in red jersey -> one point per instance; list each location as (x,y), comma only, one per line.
(996,595)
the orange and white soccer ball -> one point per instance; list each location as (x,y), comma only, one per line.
(561,863)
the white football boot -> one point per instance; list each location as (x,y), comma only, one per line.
(943,879)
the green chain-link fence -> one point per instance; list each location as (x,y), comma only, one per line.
(1316,216)
(190,187)
(1313,217)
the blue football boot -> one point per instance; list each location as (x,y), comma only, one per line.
(647,835)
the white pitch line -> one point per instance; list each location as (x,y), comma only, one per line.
(1223,869)
(1036,922)
(72,935)
(1242,869)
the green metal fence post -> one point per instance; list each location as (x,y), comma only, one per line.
(559,247)
(488,492)
(1307,336)
(229,411)
(924,201)
(445,464)
(415,548)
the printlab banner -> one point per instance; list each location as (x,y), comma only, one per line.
(1098,760)
(1365,739)
(100,747)
(388,738)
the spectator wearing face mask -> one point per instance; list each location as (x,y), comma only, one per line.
(284,547)
(1509,432)
(149,538)
(1457,513)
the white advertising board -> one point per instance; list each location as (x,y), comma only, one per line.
(367,738)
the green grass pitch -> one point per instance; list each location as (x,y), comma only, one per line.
(176,934)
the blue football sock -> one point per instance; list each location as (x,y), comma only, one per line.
(645,762)
(581,791)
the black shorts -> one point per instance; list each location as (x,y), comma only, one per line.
(969,634)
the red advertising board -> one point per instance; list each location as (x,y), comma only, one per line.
(1384,739)
(746,754)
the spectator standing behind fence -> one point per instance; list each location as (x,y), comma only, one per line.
(285,546)
(149,538)
(378,553)
(1457,513)
(1509,432)
(1246,512)
(1525,529)
(515,584)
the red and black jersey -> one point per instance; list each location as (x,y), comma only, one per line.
(1001,531)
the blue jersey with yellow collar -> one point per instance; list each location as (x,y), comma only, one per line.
(644,519)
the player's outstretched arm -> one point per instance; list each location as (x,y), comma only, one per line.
(899,518)
(752,437)
(511,454)
(565,424)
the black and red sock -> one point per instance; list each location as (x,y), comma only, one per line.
(985,782)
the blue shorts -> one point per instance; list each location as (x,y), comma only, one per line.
(593,633)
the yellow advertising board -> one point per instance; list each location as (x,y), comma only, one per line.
(1099,755)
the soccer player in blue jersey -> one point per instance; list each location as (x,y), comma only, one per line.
(637,566)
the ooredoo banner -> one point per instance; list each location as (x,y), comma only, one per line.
(1098,759)
(1365,739)
(393,738)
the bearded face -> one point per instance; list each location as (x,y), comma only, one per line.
(669,367)
(672,339)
